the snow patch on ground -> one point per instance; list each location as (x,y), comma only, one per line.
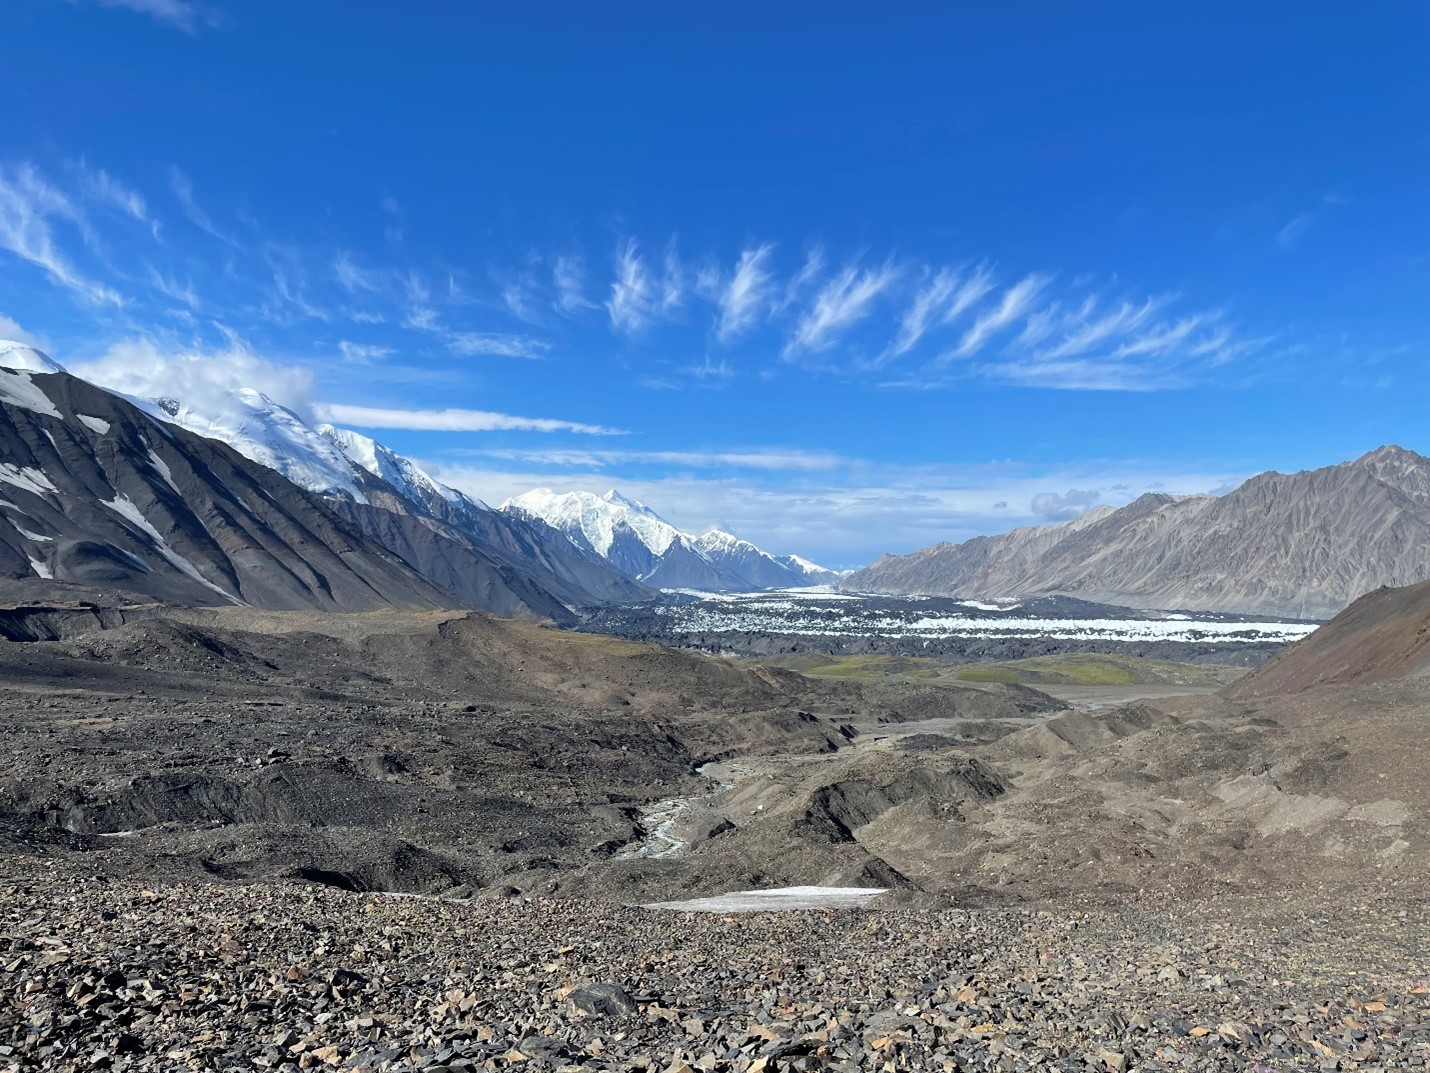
(162,468)
(27,477)
(778,899)
(41,569)
(97,424)
(122,506)
(37,537)
(17,389)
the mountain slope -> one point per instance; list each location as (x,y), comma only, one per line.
(1302,544)
(442,517)
(95,491)
(451,549)
(1382,636)
(644,546)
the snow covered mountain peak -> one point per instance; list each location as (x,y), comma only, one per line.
(615,498)
(601,521)
(647,548)
(268,433)
(22,357)
(402,473)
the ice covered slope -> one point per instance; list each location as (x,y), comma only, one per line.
(270,434)
(646,547)
(758,567)
(21,357)
(409,479)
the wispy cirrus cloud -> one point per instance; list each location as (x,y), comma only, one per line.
(947,296)
(102,186)
(173,287)
(632,302)
(1017,300)
(568,277)
(181,14)
(363,353)
(183,188)
(29,208)
(773,459)
(351,276)
(452,420)
(840,303)
(1088,330)
(742,297)
(1029,330)
(496,344)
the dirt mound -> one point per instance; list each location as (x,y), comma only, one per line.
(1383,635)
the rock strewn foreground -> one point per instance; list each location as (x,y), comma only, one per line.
(113,975)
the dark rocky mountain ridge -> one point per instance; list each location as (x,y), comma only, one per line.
(99,492)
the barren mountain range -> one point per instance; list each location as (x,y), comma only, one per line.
(1299,545)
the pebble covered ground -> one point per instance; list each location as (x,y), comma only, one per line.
(111,974)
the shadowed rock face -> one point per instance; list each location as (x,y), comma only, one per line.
(95,492)
(1301,545)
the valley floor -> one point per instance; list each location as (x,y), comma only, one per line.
(119,975)
(234,839)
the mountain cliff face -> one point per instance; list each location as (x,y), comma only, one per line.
(95,491)
(1302,545)
(644,546)
(94,497)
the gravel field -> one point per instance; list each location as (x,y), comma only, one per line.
(115,975)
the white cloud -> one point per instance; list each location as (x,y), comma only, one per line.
(632,302)
(496,344)
(28,208)
(672,283)
(419,314)
(774,459)
(293,294)
(1291,233)
(10,329)
(451,420)
(352,278)
(102,186)
(812,269)
(946,297)
(183,189)
(517,295)
(568,276)
(178,13)
(171,287)
(1015,302)
(1084,334)
(842,302)
(200,376)
(363,353)
(1058,508)
(1081,374)
(745,294)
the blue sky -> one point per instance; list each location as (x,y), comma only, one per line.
(842,278)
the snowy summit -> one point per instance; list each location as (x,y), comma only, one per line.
(647,548)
